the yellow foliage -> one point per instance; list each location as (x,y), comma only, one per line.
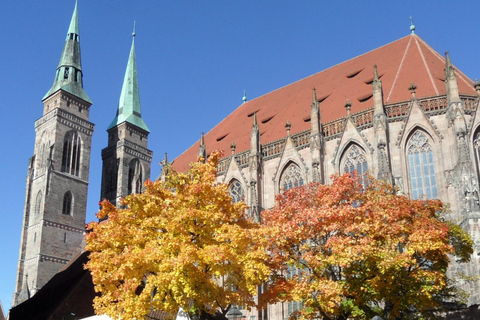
(181,243)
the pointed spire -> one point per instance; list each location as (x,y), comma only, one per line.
(202,149)
(451,83)
(129,109)
(377,83)
(315,113)
(69,76)
(377,92)
(255,136)
(233,147)
(255,123)
(73,29)
(244,96)
(412,26)
(315,103)
(449,70)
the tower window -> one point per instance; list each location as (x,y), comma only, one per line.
(135,177)
(38,203)
(65,74)
(65,237)
(71,153)
(67,203)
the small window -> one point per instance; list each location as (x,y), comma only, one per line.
(67,203)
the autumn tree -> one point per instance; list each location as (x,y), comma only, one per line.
(360,252)
(181,243)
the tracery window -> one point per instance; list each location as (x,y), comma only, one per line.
(476,150)
(354,159)
(294,306)
(291,177)
(67,203)
(135,177)
(236,191)
(37,209)
(71,153)
(421,166)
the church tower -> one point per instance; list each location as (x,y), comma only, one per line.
(57,179)
(126,159)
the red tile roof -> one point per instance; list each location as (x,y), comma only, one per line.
(399,63)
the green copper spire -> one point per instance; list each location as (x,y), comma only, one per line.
(69,76)
(129,104)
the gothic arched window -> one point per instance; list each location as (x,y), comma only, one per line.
(71,153)
(67,203)
(236,191)
(291,177)
(354,159)
(37,209)
(421,166)
(476,150)
(135,177)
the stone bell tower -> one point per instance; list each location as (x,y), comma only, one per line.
(126,159)
(57,179)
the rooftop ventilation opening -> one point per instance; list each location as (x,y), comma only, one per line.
(371,80)
(307,119)
(366,98)
(267,119)
(323,98)
(251,114)
(222,137)
(351,75)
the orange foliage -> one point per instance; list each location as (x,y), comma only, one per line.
(361,251)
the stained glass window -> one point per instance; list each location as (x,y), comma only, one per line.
(236,191)
(354,159)
(476,148)
(292,177)
(421,167)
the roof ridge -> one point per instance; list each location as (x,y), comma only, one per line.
(331,67)
(426,66)
(399,68)
(288,84)
(459,73)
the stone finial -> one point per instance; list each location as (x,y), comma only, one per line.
(233,147)
(412,89)
(164,162)
(288,125)
(348,106)
(476,85)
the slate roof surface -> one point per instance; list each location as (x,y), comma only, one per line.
(399,63)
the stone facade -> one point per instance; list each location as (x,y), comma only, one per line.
(56,192)
(427,146)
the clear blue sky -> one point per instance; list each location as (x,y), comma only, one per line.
(194,60)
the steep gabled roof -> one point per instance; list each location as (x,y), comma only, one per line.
(399,63)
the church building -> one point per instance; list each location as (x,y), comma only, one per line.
(401,112)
